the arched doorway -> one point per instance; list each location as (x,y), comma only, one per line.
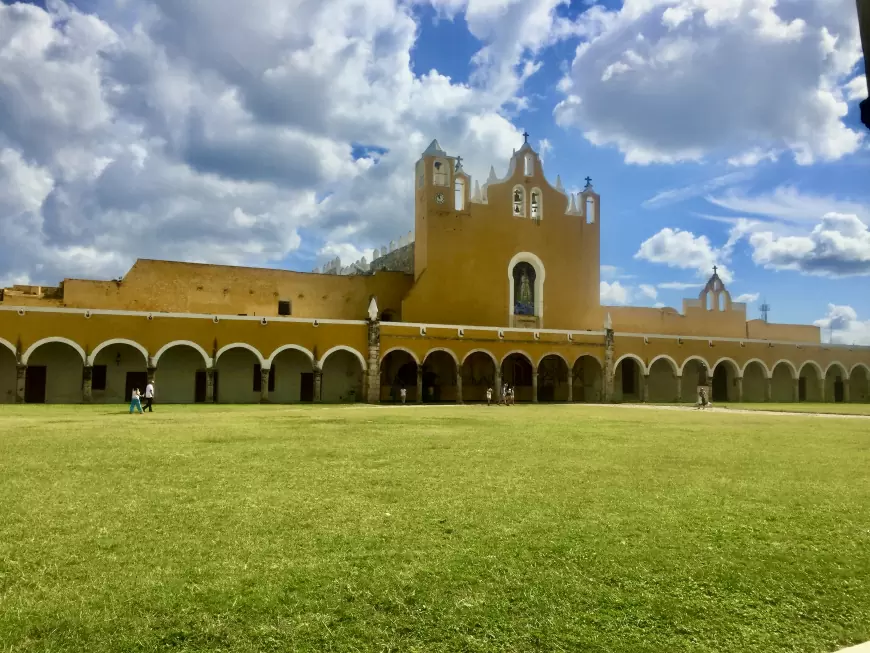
(55,373)
(439,377)
(180,377)
(662,384)
(695,374)
(8,375)
(859,384)
(754,382)
(835,376)
(627,380)
(782,382)
(117,369)
(342,378)
(587,379)
(478,374)
(810,383)
(238,377)
(516,372)
(553,378)
(398,370)
(294,376)
(724,382)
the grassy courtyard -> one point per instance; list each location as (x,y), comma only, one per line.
(551,528)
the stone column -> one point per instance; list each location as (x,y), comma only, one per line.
(20,383)
(570,386)
(497,388)
(535,386)
(87,383)
(796,391)
(768,390)
(209,385)
(679,378)
(845,391)
(264,385)
(739,380)
(459,385)
(318,385)
(420,383)
(373,367)
(151,371)
(609,372)
(644,388)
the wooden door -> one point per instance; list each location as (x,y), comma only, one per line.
(34,384)
(306,391)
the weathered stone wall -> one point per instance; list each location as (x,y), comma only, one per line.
(399,260)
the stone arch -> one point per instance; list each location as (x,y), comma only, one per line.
(55,371)
(517,372)
(404,349)
(117,341)
(241,345)
(756,376)
(399,368)
(783,380)
(8,372)
(180,375)
(835,384)
(553,371)
(178,343)
(289,347)
(342,373)
(237,374)
(810,385)
(662,386)
(518,201)
(723,380)
(119,365)
(25,358)
(538,288)
(440,368)
(628,378)
(536,204)
(588,381)
(859,383)
(695,372)
(479,372)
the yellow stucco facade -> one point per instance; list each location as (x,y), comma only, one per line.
(499,288)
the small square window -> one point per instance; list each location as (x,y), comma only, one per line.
(98,377)
(284,308)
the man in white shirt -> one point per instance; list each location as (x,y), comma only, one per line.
(149,397)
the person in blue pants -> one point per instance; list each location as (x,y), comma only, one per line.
(135,402)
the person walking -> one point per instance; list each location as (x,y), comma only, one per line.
(135,403)
(489,396)
(149,397)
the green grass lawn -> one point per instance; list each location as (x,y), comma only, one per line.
(531,528)
(801,407)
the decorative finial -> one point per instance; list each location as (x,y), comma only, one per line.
(559,183)
(608,323)
(526,136)
(373,309)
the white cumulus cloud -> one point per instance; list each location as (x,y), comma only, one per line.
(841,325)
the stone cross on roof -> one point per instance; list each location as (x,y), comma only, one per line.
(526,136)
(714,269)
(458,162)
(588,181)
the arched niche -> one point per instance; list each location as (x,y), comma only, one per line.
(518,201)
(526,276)
(441,172)
(536,204)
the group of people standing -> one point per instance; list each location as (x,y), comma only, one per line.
(507,396)
(136,399)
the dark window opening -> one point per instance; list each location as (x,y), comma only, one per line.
(284,308)
(98,377)
(258,378)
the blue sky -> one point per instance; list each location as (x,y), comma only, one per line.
(716,131)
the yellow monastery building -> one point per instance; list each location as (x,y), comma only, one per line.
(498,285)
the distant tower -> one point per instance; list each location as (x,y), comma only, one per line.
(765,310)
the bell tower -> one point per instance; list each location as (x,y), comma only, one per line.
(435,194)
